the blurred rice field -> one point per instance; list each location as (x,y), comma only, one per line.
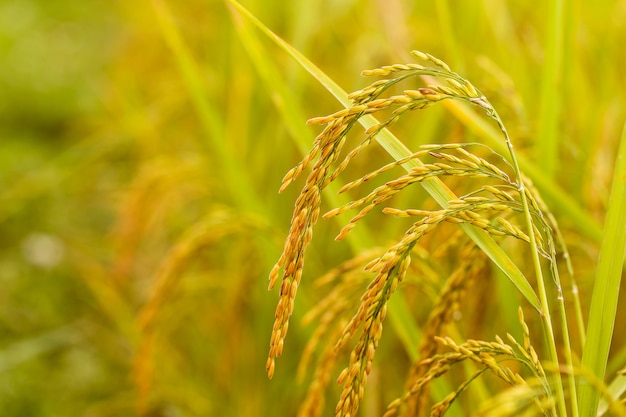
(142,146)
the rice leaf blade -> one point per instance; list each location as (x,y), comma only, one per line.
(606,288)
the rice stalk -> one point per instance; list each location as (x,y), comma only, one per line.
(490,208)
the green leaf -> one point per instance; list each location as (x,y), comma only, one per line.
(606,288)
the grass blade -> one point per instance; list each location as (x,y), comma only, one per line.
(606,288)
(615,389)
(547,143)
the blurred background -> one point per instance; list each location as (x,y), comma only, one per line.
(142,145)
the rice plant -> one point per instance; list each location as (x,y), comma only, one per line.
(143,146)
(504,204)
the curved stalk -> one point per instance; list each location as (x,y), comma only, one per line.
(541,286)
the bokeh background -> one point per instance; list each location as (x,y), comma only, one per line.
(142,145)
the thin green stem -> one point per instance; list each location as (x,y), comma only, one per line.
(580,321)
(567,348)
(541,286)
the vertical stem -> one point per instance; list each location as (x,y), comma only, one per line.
(567,348)
(543,296)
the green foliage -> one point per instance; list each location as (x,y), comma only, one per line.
(143,146)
